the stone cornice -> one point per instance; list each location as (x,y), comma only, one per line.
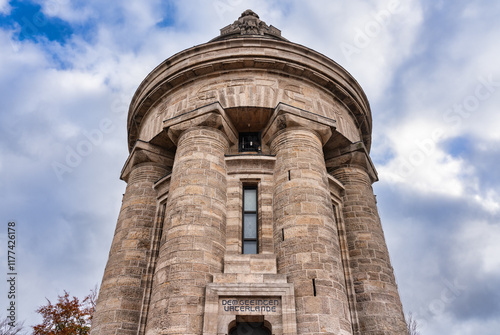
(250,164)
(212,115)
(283,57)
(144,152)
(286,116)
(353,155)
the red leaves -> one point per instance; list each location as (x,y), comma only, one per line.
(67,316)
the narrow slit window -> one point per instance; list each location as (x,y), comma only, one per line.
(250,221)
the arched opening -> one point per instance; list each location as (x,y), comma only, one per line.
(249,325)
(249,328)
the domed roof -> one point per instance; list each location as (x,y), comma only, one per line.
(247,45)
(249,25)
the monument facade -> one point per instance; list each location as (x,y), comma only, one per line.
(249,207)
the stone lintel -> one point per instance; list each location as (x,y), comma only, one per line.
(249,278)
(212,115)
(336,187)
(250,164)
(354,154)
(144,152)
(250,264)
(162,187)
(286,116)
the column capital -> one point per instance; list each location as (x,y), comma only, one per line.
(144,152)
(352,155)
(212,116)
(286,116)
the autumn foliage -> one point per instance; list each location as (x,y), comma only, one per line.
(67,316)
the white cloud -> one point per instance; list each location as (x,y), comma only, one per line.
(486,327)
(478,247)
(5,7)
(419,163)
(490,201)
(385,50)
(439,103)
(368,38)
(411,81)
(67,11)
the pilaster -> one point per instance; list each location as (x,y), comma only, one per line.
(122,289)
(378,304)
(193,244)
(305,233)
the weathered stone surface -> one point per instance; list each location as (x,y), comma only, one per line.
(249,24)
(317,276)
(378,304)
(122,287)
(176,264)
(187,262)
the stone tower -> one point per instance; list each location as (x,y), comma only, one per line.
(249,207)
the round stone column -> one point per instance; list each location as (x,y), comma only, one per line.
(121,292)
(193,244)
(306,239)
(377,299)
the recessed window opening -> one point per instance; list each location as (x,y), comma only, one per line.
(250,224)
(249,142)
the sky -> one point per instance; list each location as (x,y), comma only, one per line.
(430,69)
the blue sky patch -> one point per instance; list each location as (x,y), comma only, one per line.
(64,72)
(384,157)
(169,13)
(458,146)
(34,23)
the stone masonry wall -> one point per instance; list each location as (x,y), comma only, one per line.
(306,240)
(235,89)
(121,293)
(378,304)
(193,243)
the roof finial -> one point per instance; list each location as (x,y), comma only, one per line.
(249,12)
(249,23)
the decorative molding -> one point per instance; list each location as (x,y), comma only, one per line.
(144,152)
(216,57)
(212,115)
(250,164)
(353,155)
(286,116)
(249,23)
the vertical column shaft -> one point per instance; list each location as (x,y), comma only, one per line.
(193,244)
(377,299)
(306,239)
(121,293)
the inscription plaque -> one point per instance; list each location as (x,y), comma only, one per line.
(239,305)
